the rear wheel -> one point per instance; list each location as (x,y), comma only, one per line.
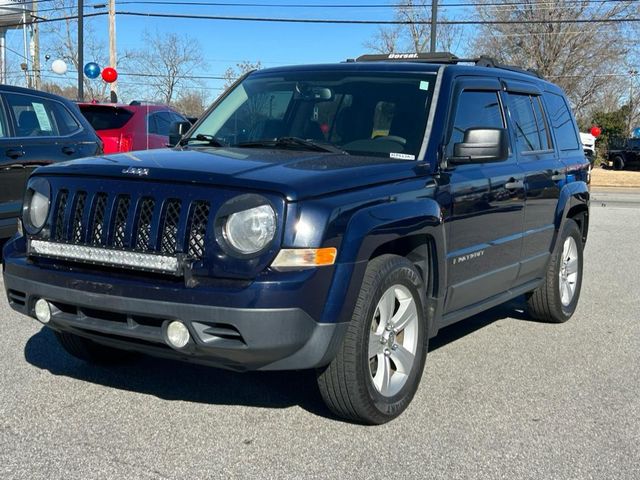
(618,162)
(378,368)
(557,298)
(90,351)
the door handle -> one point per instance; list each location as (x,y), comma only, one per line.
(14,153)
(68,150)
(558,176)
(513,184)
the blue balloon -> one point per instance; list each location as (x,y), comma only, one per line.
(92,70)
(636,132)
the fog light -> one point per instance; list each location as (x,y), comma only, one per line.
(43,310)
(177,334)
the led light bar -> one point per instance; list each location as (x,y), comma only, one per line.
(105,256)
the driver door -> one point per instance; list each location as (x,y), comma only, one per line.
(487,212)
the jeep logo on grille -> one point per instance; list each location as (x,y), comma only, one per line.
(141,172)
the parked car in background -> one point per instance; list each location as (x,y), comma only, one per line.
(137,126)
(622,153)
(36,128)
(589,146)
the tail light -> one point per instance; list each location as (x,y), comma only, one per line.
(125,143)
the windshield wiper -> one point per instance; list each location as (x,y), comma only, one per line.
(201,137)
(292,142)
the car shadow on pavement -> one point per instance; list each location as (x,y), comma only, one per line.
(174,380)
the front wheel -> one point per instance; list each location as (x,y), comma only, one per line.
(378,368)
(557,298)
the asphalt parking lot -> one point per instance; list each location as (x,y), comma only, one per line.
(501,397)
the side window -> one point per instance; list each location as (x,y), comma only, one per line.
(562,122)
(475,109)
(34,116)
(543,130)
(66,121)
(153,126)
(4,130)
(524,120)
(163,123)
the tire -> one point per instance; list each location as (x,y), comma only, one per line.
(557,298)
(90,351)
(374,377)
(618,162)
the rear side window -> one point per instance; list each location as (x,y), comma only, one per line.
(562,122)
(525,124)
(475,109)
(106,118)
(34,116)
(67,123)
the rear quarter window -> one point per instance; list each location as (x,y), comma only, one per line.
(562,122)
(106,118)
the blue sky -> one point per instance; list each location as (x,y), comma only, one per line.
(225,43)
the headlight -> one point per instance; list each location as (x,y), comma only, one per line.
(251,230)
(36,205)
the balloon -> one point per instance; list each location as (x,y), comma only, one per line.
(59,67)
(109,75)
(636,132)
(92,70)
(596,131)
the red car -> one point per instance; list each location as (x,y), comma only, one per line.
(137,126)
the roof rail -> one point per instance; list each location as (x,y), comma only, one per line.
(443,58)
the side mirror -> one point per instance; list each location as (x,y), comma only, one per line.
(177,131)
(482,145)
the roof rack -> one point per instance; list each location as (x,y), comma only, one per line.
(446,58)
(138,103)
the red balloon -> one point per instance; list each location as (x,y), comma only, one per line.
(109,74)
(596,131)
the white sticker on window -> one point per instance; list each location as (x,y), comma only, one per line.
(402,156)
(43,118)
(424,85)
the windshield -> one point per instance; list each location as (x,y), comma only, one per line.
(380,114)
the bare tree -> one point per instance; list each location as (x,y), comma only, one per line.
(584,59)
(232,74)
(415,36)
(170,62)
(191,103)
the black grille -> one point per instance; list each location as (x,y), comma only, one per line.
(144,224)
(120,222)
(169,239)
(60,209)
(198,229)
(81,198)
(97,231)
(167,226)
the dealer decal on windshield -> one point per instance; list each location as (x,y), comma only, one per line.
(402,156)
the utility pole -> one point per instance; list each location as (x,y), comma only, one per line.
(36,48)
(632,74)
(434,24)
(113,52)
(81,50)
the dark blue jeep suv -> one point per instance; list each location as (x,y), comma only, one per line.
(328,217)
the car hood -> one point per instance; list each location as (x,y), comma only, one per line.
(294,174)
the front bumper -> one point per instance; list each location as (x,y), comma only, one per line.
(234,338)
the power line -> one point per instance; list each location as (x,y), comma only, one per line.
(351,5)
(372,22)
